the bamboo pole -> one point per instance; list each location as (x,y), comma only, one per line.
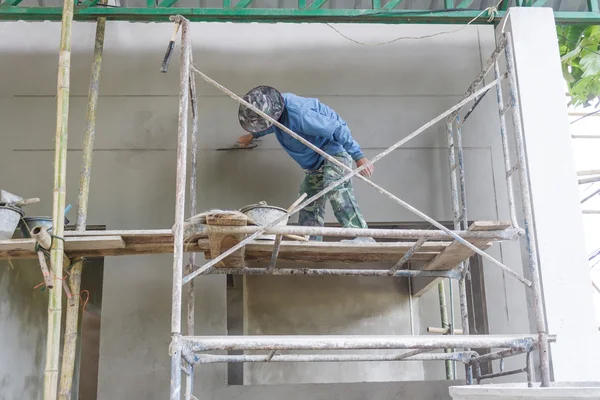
(72,322)
(44,239)
(58,204)
(45,272)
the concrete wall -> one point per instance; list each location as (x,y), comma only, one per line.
(383,92)
(23,318)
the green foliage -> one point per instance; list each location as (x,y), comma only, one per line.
(580,60)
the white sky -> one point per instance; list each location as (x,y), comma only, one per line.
(587,157)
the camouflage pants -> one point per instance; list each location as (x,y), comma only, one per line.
(343,202)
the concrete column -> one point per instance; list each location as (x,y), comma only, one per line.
(557,216)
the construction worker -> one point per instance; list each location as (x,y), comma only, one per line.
(324,128)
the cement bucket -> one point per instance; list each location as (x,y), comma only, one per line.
(520,391)
(9,219)
(263,214)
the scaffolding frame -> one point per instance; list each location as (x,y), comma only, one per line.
(187,351)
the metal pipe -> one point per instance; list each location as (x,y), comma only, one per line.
(590,196)
(415,247)
(452,330)
(350,342)
(213,358)
(502,354)
(499,374)
(275,254)
(588,180)
(505,234)
(461,223)
(403,273)
(410,305)
(461,177)
(191,306)
(452,168)
(455,207)
(484,71)
(349,176)
(462,290)
(540,320)
(530,370)
(505,151)
(588,172)
(585,136)
(444,321)
(456,212)
(475,104)
(182,138)
(189,383)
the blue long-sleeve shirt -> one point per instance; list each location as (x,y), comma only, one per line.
(318,124)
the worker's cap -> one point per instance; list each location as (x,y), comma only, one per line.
(266,99)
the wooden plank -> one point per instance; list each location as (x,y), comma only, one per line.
(71,244)
(440,254)
(385,252)
(135,243)
(456,253)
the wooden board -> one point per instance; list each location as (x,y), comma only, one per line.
(103,243)
(24,248)
(138,242)
(385,252)
(440,254)
(454,254)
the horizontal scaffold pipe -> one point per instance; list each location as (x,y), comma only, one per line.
(204,230)
(334,342)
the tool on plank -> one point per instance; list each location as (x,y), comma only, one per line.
(10,199)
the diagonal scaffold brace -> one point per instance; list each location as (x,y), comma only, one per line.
(354,173)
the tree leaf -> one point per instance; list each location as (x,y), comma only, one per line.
(590,64)
(574,33)
(567,75)
(572,54)
(580,62)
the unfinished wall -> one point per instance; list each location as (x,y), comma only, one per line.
(23,317)
(383,92)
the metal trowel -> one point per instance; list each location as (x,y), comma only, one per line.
(8,198)
(237,146)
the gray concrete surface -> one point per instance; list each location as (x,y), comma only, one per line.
(516,391)
(383,92)
(23,316)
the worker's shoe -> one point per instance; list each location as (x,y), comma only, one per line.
(360,240)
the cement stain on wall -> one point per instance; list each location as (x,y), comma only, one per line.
(23,316)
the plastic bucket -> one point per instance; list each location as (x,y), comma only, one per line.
(9,219)
(29,223)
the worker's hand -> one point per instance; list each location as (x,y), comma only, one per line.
(244,141)
(369,169)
